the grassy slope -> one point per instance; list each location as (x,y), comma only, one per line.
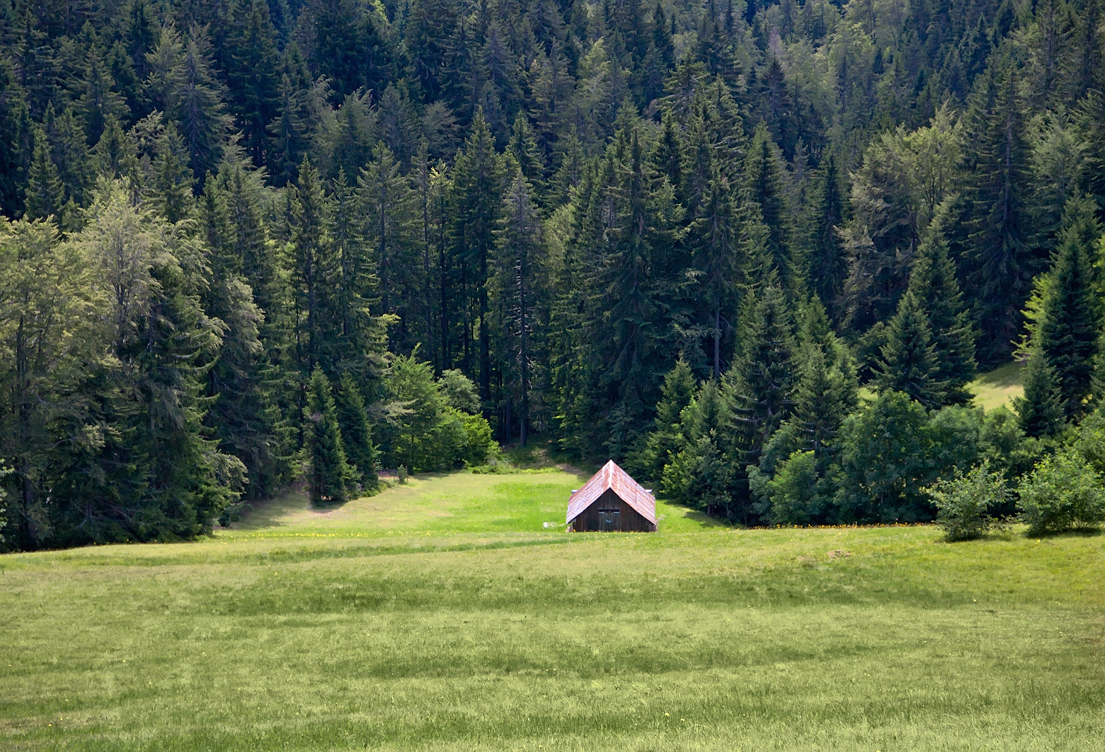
(998,387)
(444,616)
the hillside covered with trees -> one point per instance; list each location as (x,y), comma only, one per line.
(251,241)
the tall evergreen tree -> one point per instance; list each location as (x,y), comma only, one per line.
(1001,245)
(933,284)
(330,478)
(475,205)
(515,266)
(828,266)
(1040,410)
(909,361)
(355,431)
(1069,327)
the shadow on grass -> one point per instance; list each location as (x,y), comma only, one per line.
(1075,532)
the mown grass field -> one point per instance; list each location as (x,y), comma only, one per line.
(444,616)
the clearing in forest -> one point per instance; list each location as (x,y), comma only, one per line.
(446,615)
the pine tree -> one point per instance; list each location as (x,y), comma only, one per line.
(355,431)
(936,290)
(330,476)
(909,361)
(1070,322)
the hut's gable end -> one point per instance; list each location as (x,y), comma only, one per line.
(611,500)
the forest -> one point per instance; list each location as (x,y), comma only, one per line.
(753,251)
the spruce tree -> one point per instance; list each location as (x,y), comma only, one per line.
(666,438)
(355,431)
(828,266)
(1070,318)
(515,266)
(475,205)
(761,380)
(254,75)
(767,190)
(936,290)
(330,476)
(909,363)
(1040,411)
(1003,261)
(45,195)
(315,270)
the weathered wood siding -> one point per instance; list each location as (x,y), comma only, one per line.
(627,520)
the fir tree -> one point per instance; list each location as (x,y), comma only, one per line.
(330,476)
(1040,410)
(909,362)
(475,205)
(828,266)
(1003,259)
(1070,319)
(355,431)
(515,265)
(934,286)
(45,195)
(666,438)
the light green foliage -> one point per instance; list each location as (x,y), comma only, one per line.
(963,502)
(459,391)
(1064,492)
(449,594)
(884,461)
(424,430)
(797,493)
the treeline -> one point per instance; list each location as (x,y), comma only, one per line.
(261,240)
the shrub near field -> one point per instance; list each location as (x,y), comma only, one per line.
(444,615)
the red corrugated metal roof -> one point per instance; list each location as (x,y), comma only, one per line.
(612,477)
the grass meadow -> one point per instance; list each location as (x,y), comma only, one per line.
(446,615)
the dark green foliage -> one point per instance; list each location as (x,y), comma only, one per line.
(884,453)
(1040,411)
(1068,329)
(540,200)
(827,263)
(355,431)
(934,285)
(909,363)
(330,477)
(666,438)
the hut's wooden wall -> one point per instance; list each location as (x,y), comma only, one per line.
(627,520)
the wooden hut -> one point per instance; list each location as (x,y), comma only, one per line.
(610,501)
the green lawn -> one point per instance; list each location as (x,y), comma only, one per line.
(444,615)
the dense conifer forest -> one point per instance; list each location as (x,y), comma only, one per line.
(755,251)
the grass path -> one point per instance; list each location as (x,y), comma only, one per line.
(445,616)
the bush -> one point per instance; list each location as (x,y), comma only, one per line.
(796,492)
(964,501)
(1062,493)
